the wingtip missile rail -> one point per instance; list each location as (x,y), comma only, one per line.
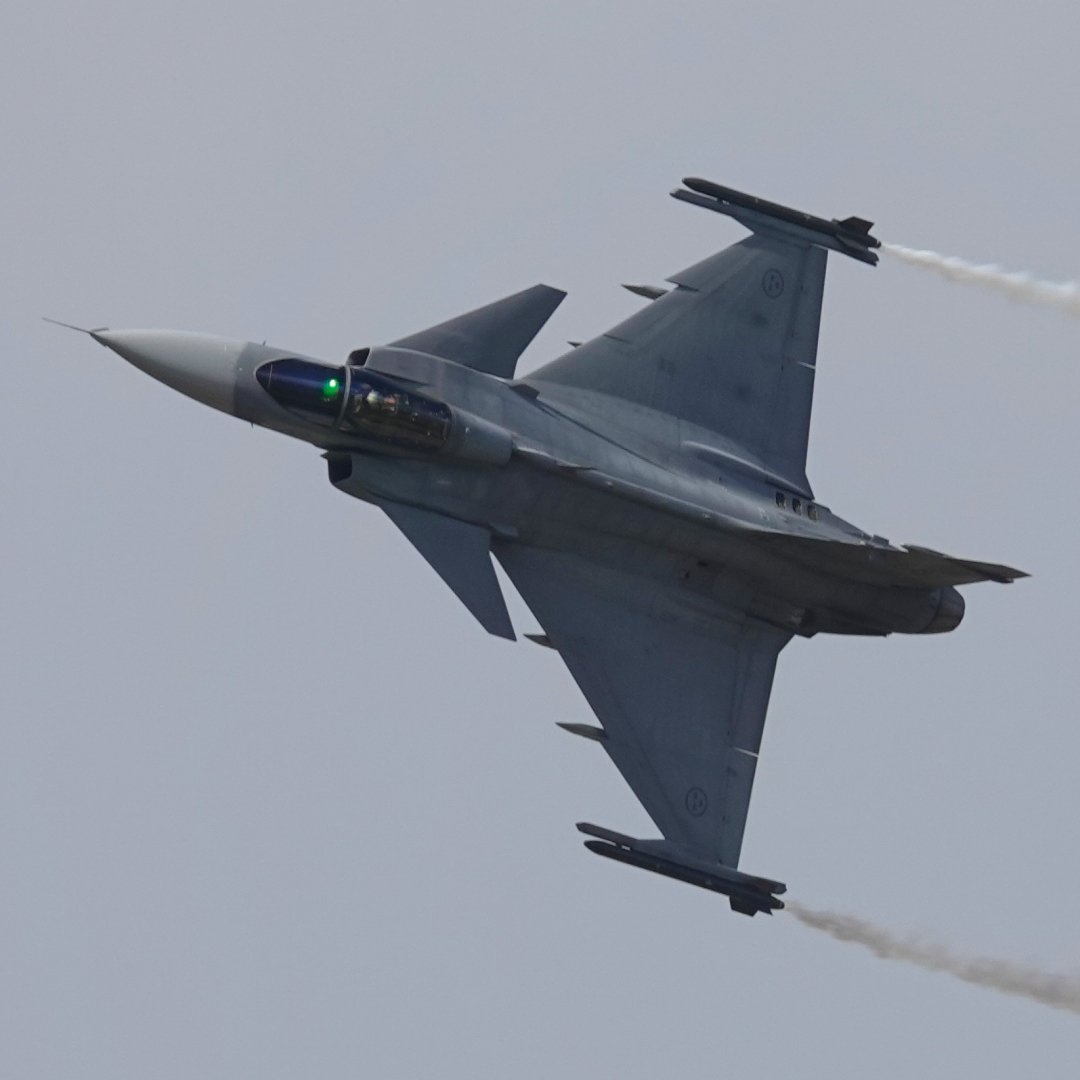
(851,236)
(746,893)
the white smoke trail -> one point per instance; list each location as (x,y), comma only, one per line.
(1057,991)
(1020,286)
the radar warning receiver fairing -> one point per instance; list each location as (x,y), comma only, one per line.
(646,492)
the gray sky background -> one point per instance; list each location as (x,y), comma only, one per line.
(271,803)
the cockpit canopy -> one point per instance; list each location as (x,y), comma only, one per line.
(357,402)
(313,391)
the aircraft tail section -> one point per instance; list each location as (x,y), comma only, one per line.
(907,567)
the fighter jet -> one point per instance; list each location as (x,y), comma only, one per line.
(646,493)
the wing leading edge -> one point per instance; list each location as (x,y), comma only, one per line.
(682,698)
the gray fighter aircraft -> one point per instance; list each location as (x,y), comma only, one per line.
(646,493)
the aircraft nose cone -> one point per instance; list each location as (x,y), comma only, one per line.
(198,365)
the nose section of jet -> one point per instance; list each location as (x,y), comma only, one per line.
(199,365)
